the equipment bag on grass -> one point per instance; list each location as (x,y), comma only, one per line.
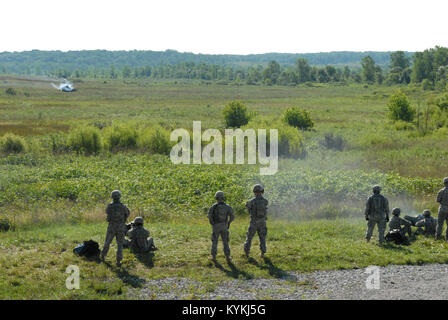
(396,236)
(87,249)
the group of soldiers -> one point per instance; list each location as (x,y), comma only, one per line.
(117,215)
(377,213)
(221,215)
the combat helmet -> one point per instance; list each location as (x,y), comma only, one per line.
(445,180)
(138,220)
(258,188)
(426,213)
(219,195)
(116,194)
(396,211)
(376,188)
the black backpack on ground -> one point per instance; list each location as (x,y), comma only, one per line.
(396,236)
(87,249)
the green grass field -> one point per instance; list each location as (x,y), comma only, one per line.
(34,261)
(55,199)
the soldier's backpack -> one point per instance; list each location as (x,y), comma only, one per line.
(259,208)
(378,206)
(87,249)
(220,213)
(395,236)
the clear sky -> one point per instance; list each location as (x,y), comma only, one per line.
(230,26)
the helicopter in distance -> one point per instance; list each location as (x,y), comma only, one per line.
(66,86)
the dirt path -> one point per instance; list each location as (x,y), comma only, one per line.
(396,282)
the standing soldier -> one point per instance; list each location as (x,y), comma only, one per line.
(442,198)
(220,216)
(427,225)
(396,222)
(117,214)
(258,209)
(377,213)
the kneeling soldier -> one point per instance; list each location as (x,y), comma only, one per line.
(396,222)
(427,225)
(139,237)
(220,216)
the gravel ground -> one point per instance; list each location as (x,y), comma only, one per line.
(396,282)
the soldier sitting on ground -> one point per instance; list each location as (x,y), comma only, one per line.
(139,237)
(427,225)
(396,223)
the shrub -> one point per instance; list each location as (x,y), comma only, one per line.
(332,141)
(427,85)
(235,114)
(84,140)
(5,225)
(290,140)
(403,125)
(121,137)
(156,141)
(10,143)
(11,91)
(442,101)
(400,107)
(298,118)
(290,143)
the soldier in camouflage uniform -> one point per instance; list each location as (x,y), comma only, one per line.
(220,216)
(442,198)
(258,209)
(117,214)
(427,225)
(396,222)
(376,213)
(139,237)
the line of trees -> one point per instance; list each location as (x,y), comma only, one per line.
(429,67)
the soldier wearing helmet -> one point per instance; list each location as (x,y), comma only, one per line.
(117,214)
(220,216)
(396,223)
(442,199)
(427,225)
(258,209)
(139,237)
(376,213)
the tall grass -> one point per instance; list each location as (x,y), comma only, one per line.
(10,143)
(85,140)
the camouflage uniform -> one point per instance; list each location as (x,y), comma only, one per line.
(258,207)
(442,198)
(220,215)
(117,214)
(139,237)
(427,225)
(396,222)
(377,213)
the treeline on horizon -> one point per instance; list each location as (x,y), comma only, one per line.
(429,67)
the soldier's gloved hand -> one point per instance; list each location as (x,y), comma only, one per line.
(367,218)
(387,219)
